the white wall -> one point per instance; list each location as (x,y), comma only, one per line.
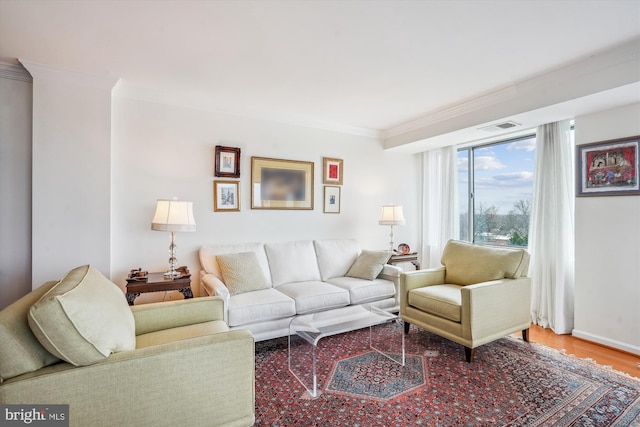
(607,291)
(15,183)
(71,171)
(161,151)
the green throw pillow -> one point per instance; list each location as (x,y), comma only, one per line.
(241,272)
(369,264)
(83,318)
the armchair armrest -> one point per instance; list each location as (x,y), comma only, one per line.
(491,307)
(165,315)
(419,279)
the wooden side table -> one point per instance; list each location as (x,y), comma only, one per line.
(410,257)
(157,282)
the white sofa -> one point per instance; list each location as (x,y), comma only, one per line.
(300,277)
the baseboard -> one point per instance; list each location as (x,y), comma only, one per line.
(606,341)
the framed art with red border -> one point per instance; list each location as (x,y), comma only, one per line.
(332,171)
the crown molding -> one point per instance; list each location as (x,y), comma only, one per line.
(52,73)
(603,70)
(14,72)
(182,100)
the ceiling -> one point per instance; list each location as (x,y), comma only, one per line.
(365,67)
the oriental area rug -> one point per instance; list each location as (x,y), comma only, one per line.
(509,383)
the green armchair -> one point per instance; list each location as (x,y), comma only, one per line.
(184,366)
(481,293)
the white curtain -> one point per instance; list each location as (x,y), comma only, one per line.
(551,234)
(439,203)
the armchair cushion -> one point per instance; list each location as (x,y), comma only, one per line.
(242,273)
(83,318)
(369,264)
(467,263)
(439,300)
(20,351)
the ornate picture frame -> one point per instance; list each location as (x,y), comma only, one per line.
(227,162)
(332,171)
(281,184)
(608,168)
(226,196)
(332,199)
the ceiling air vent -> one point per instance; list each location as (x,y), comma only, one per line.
(500,126)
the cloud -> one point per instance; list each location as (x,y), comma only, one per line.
(514,179)
(523,145)
(487,163)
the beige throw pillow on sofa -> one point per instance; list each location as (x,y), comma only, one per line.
(369,264)
(83,318)
(241,272)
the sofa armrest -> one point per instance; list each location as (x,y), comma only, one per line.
(214,374)
(165,315)
(390,272)
(491,307)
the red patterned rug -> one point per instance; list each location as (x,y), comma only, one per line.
(510,383)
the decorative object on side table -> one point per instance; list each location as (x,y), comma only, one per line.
(391,215)
(158,282)
(608,168)
(226,196)
(411,257)
(227,162)
(173,215)
(332,171)
(281,184)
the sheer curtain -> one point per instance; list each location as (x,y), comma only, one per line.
(439,203)
(551,234)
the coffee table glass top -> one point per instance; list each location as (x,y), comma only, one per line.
(306,331)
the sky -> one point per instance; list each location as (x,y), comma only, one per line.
(503,174)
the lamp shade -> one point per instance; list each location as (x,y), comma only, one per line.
(392,215)
(173,215)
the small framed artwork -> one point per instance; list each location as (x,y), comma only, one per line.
(226,196)
(332,171)
(227,162)
(608,168)
(281,184)
(331,199)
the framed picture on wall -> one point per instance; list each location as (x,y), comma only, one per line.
(226,196)
(331,199)
(608,168)
(332,171)
(227,162)
(281,184)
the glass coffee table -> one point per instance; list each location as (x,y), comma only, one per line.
(306,331)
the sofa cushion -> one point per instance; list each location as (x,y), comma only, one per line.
(335,257)
(439,300)
(315,296)
(259,306)
(209,262)
(241,272)
(83,318)
(363,291)
(369,264)
(467,263)
(20,351)
(292,262)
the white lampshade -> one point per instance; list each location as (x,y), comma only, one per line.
(392,215)
(173,215)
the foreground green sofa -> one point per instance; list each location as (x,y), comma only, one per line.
(184,366)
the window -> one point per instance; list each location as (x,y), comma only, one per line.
(496,183)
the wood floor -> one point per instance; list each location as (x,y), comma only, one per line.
(618,360)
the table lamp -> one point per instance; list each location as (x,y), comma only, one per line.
(173,215)
(391,215)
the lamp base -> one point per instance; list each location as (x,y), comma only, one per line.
(172,274)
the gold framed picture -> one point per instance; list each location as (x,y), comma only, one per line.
(331,199)
(226,196)
(332,171)
(281,184)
